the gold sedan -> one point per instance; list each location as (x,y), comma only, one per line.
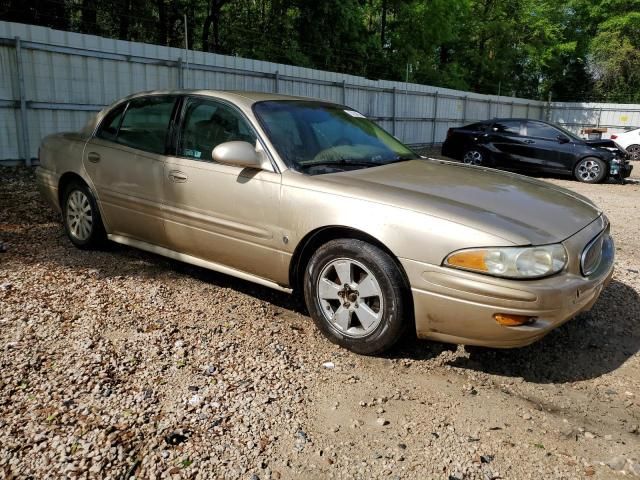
(312,197)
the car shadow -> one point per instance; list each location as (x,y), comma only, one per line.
(591,345)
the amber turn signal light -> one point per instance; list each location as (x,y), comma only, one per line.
(509,320)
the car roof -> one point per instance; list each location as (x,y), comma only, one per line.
(236,96)
(516,120)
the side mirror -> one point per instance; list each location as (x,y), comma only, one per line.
(240,154)
(562,139)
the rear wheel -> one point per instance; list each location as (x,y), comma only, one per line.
(590,170)
(81,217)
(634,152)
(355,294)
(473,157)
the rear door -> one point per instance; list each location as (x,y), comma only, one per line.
(545,149)
(222,213)
(125,161)
(505,142)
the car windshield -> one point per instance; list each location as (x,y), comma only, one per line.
(315,138)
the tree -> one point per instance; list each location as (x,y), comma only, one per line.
(615,55)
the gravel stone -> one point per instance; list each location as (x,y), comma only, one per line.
(103,355)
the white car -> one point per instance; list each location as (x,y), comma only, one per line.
(630,141)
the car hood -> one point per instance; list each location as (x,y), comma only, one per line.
(518,209)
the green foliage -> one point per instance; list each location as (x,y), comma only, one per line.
(573,49)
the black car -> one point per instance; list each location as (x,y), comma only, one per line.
(534,146)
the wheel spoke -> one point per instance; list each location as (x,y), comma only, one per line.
(368,287)
(366,316)
(328,289)
(343,269)
(342,318)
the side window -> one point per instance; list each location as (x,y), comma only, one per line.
(509,127)
(541,130)
(146,123)
(207,124)
(111,123)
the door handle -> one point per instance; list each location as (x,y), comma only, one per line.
(177,176)
(529,141)
(93,157)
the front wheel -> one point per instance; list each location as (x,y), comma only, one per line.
(590,170)
(355,294)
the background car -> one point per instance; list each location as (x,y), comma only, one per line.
(535,146)
(630,141)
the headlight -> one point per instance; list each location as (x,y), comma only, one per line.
(511,262)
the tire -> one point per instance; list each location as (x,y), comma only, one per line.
(81,217)
(634,152)
(590,170)
(336,278)
(473,157)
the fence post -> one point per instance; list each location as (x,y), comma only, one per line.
(344,92)
(180,73)
(490,104)
(464,109)
(393,130)
(511,110)
(23,105)
(276,82)
(435,118)
(549,108)
(527,114)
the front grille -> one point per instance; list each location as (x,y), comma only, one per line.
(591,255)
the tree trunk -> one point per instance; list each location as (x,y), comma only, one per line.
(212,22)
(89,19)
(161,32)
(383,25)
(125,20)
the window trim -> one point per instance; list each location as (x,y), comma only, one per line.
(520,129)
(180,118)
(526,126)
(107,115)
(167,142)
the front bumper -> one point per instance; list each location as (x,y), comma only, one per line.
(457,307)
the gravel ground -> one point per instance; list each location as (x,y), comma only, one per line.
(122,364)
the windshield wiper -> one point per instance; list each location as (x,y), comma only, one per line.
(342,162)
(403,158)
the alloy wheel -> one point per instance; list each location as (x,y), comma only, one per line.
(589,170)
(79,216)
(350,297)
(472,157)
(634,152)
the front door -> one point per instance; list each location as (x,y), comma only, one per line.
(221,213)
(125,162)
(545,148)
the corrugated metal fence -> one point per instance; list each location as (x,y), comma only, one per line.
(612,116)
(53,81)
